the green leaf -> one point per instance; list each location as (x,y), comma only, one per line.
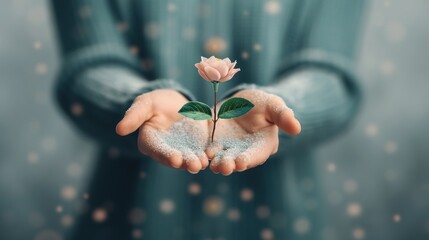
(196,110)
(235,107)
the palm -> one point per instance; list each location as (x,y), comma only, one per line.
(248,141)
(164,134)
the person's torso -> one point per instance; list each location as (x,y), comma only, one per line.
(170,37)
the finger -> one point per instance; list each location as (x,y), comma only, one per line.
(255,155)
(224,162)
(215,161)
(192,163)
(213,149)
(227,165)
(150,143)
(241,162)
(139,112)
(204,160)
(283,116)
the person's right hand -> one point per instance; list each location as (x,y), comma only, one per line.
(154,113)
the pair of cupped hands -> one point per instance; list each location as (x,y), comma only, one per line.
(158,111)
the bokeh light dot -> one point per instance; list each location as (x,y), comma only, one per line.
(194,188)
(350,186)
(358,233)
(166,206)
(354,210)
(189,33)
(32,157)
(396,218)
(85,12)
(49,144)
(171,7)
(301,226)
(74,170)
(272,7)
(371,130)
(331,167)
(86,196)
(391,147)
(68,193)
(151,30)
(59,209)
(122,26)
(136,216)
(41,68)
(395,32)
(267,234)
(76,109)
(246,195)
(67,220)
(215,45)
(99,215)
(37,45)
(137,234)
(262,212)
(134,50)
(233,214)
(387,68)
(257,47)
(213,206)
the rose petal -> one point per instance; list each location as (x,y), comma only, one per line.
(226,78)
(221,67)
(227,61)
(200,66)
(197,65)
(203,75)
(232,65)
(211,60)
(212,73)
(230,75)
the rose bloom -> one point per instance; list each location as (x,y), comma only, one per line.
(216,70)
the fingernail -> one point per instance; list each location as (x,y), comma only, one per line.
(193,172)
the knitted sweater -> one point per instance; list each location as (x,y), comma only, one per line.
(300,50)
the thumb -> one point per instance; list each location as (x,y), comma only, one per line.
(281,115)
(139,112)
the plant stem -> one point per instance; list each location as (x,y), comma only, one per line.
(215,117)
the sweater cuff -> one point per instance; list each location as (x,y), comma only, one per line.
(86,58)
(331,62)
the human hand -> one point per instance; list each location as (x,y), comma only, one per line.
(165,135)
(248,141)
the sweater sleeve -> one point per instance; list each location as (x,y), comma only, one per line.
(99,78)
(317,80)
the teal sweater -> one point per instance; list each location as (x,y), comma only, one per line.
(301,50)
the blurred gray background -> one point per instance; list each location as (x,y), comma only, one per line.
(376,175)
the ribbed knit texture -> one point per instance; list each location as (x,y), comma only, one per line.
(301,50)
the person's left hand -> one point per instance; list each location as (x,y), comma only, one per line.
(248,141)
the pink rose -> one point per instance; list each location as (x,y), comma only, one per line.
(216,70)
